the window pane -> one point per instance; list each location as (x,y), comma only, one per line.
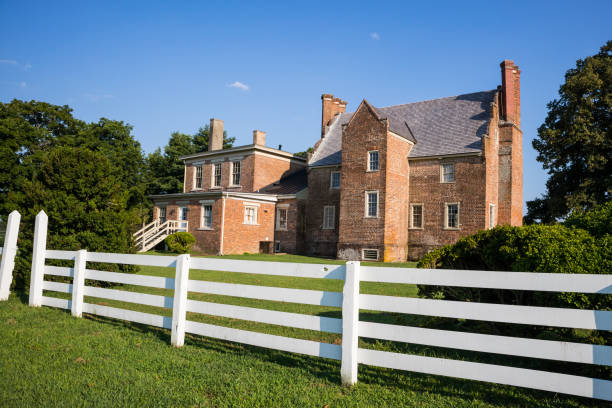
(236,173)
(282,218)
(453,215)
(448,173)
(207,216)
(417,216)
(335,179)
(217,175)
(372,204)
(329,217)
(199,177)
(373,161)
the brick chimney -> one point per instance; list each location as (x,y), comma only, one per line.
(511,92)
(215,139)
(259,138)
(330,108)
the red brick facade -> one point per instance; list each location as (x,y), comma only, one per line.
(417,207)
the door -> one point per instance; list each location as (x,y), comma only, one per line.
(183,219)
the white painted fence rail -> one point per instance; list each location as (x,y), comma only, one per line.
(351,302)
(8,252)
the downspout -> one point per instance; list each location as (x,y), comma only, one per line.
(223,196)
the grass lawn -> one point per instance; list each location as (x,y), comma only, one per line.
(48,358)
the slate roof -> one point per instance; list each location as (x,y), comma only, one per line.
(292,184)
(451,125)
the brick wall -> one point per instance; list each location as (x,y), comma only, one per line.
(363,133)
(319,241)
(425,188)
(268,170)
(288,238)
(239,237)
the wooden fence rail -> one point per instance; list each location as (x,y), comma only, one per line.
(350,301)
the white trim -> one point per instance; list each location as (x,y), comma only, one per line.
(412,216)
(250,204)
(255,215)
(377,204)
(458,227)
(246,150)
(202,226)
(222,224)
(493,224)
(213,174)
(219,160)
(282,205)
(368,161)
(179,203)
(363,257)
(232,174)
(206,201)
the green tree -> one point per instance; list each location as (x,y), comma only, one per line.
(575,142)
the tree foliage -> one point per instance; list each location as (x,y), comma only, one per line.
(88,178)
(575,142)
(165,169)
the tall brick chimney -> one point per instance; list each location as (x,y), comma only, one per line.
(259,138)
(330,108)
(511,92)
(215,140)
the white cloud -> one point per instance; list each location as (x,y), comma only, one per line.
(23,84)
(8,61)
(375,36)
(239,85)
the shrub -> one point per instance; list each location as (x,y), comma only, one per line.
(180,242)
(533,248)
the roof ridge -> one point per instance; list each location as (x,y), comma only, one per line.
(435,99)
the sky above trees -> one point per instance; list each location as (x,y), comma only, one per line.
(163,67)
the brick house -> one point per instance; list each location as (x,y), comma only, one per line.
(383,183)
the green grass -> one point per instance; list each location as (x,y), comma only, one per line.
(48,358)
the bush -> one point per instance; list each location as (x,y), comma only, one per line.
(533,248)
(180,242)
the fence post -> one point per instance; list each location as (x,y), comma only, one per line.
(78,283)
(350,323)
(38,258)
(179,307)
(8,254)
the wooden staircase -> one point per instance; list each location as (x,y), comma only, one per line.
(156,231)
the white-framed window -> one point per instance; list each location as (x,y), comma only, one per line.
(216,175)
(329,217)
(250,215)
(236,173)
(369,254)
(492,218)
(416,216)
(334,181)
(281,219)
(447,173)
(183,213)
(206,216)
(371,204)
(451,216)
(162,214)
(373,160)
(198,177)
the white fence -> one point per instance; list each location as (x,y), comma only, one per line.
(8,253)
(351,301)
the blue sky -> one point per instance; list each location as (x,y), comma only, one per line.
(169,66)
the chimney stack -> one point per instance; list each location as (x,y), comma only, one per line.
(511,92)
(330,108)
(215,138)
(259,138)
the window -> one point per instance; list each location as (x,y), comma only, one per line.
(217,175)
(452,216)
(281,219)
(206,216)
(250,215)
(198,177)
(183,213)
(369,254)
(162,214)
(448,173)
(416,216)
(277,246)
(372,204)
(236,173)
(373,160)
(335,179)
(492,222)
(329,217)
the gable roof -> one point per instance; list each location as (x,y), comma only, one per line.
(444,126)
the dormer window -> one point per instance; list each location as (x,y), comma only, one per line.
(217,175)
(373,160)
